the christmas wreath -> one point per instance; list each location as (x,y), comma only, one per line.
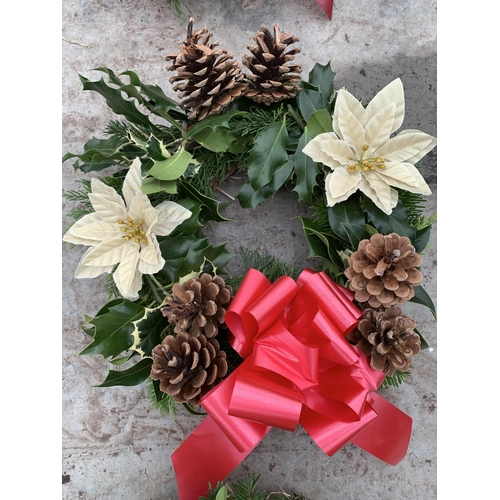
(277,346)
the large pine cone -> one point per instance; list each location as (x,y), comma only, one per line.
(188,367)
(199,305)
(208,79)
(388,338)
(273,78)
(383,271)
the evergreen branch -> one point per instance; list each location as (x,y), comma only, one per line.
(395,380)
(269,266)
(246,489)
(160,400)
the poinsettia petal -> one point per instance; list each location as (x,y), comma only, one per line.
(340,152)
(170,215)
(391,93)
(133,182)
(109,208)
(107,253)
(127,276)
(314,149)
(340,184)
(351,129)
(150,259)
(70,237)
(405,146)
(347,100)
(404,176)
(379,192)
(378,129)
(83,271)
(424,151)
(98,231)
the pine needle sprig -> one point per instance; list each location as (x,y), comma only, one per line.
(161,401)
(265,263)
(255,120)
(246,489)
(395,380)
(215,168)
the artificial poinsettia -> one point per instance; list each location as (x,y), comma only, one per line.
(363,154)
(122,232)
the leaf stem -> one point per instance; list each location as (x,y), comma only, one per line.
(296,117)
(154,285)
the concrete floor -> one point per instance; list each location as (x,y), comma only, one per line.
(115,446)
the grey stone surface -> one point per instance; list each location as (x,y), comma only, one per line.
(115,446)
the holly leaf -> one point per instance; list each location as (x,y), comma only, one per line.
(171,168)
(423,298)
(322,76)
(422,238)
(149,331)
(306,170)
(99,154)
(251,198)
(210,206)
(134,375)
(112,328)
(214,132)
(320,244)
(311,101)
(319,122)
(345,217)
(396,222)
(114,98)
(268,154)
(150,185)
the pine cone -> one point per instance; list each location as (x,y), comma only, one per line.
(188,367)
(273,78)
(388,337)
(198,306)
(383,271)
(208,79)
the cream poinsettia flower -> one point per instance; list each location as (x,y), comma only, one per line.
(122,232)
(364,156)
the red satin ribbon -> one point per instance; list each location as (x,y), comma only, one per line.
(327,6)
(298,368)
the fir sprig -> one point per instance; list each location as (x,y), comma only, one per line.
(395,380)
(246,489)
(265,263)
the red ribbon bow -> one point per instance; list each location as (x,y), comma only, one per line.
(298,368)
(327,6)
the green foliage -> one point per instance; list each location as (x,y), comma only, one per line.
(271,267)
(183,161)
(245,489)
(395,380)
(160,400)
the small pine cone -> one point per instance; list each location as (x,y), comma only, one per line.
(209,79)
(273,78)
(188,367)
(199,305)
(388,337)
(383,271)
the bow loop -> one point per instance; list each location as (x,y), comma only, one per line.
(298,368)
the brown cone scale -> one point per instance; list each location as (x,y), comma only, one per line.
(272,75)
(387,336)
(208,78)
(384,270)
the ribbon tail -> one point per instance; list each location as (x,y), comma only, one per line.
(388,436)
(206,456)
(327,6)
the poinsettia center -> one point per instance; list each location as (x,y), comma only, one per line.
(133,230)
(365,164)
